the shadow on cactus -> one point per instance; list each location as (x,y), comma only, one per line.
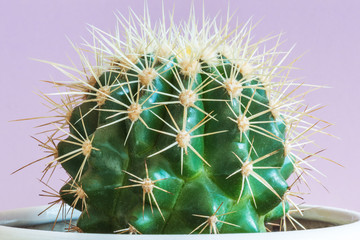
(180,129)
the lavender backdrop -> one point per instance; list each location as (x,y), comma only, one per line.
(326,30)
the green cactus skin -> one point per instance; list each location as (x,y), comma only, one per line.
(180,138)
(200,189)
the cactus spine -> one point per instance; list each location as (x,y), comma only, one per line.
(180,129)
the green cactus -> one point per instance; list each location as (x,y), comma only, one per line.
(179,130)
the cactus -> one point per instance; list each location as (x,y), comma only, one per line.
(180,129)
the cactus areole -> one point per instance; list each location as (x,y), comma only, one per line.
(189,128)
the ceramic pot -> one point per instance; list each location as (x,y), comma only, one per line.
(25,224)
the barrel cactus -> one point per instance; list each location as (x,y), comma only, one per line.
(179,129)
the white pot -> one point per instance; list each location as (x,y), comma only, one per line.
(14,225)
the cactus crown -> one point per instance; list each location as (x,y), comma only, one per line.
(180,129)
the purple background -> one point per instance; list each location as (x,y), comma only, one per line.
(326,30)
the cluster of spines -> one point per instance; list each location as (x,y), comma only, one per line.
(190,56)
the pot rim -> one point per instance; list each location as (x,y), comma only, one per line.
(347,221)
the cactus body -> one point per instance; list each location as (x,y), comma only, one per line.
(179,132)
